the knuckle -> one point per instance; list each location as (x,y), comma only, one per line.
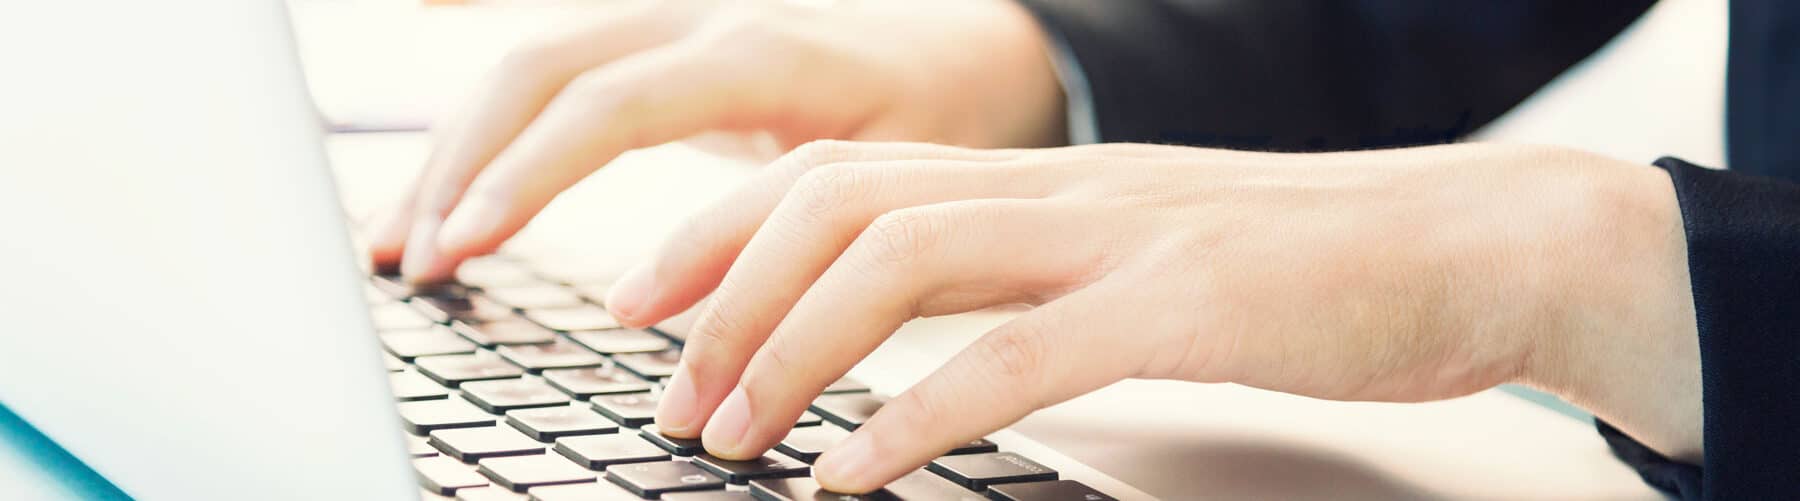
(772,373)
(918,413)
(1015,354)
(596,87)
(902,236)
(825,190)
(719,328)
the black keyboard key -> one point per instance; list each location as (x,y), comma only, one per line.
(514,330)
(846,385)
(398,316)
(489,493)
(453,370)
(525,472)
(391,284)
(978,471)
(410,385)
(607,379)
(742,472)
(472,444)
(708,496)
(629,409)
(1058,490)
(599,451)
(374,295)
(676,446)
(416,447)
(560,354)
(807,443)
(601,491)
(917,485)
(976,446)
(655,365)
(595,292)
(527,297)
(444,476)
(494,271)
(443,308)
(508,394)
(653,479)
(848,410)
(410,344)
(615,341)
(584,317)
(426,416)
(550,423)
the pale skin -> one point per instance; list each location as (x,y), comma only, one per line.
(1392,275)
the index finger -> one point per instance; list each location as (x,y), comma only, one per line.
(520,86)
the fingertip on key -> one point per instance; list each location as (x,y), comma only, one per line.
(725,432)
(675,414)
(421,263)
(849,466)
(470,227)
(625,300)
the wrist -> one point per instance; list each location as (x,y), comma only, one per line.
(990,75)
(1624,344)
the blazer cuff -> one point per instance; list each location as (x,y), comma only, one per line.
(1743,242)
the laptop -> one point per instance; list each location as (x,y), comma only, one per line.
(187,317)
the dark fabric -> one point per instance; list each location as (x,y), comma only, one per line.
(1743,236)
(1298,75)
(1303,76)
(1674,477)
(1762,95)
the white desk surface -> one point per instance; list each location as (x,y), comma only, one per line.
(1171,439)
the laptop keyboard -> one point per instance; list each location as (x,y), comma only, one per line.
(516,384)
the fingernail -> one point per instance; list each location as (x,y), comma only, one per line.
(675,415)
(473,219)
(628,295)
(842,467)
(420,262)
(725,431)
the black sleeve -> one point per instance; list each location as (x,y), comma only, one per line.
(1743,235)
(1299,75)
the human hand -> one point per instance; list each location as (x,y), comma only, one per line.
(1400,275)
(960,72)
